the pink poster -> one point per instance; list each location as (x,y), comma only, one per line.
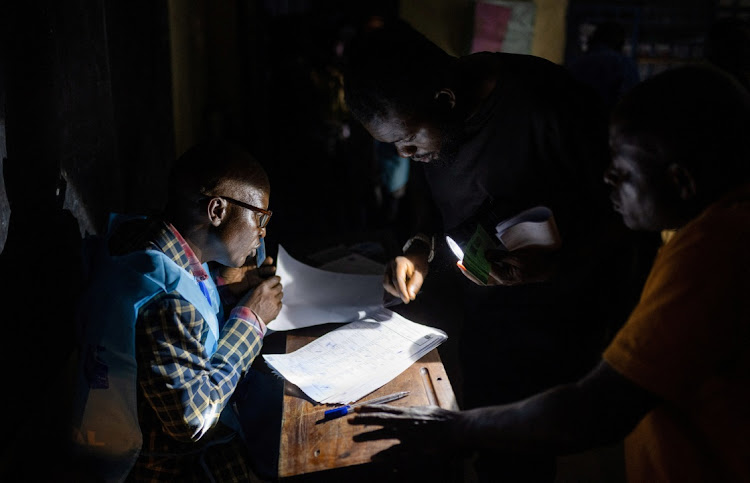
(490,26)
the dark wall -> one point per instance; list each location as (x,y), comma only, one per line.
(88,123)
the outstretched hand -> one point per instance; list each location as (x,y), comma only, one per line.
(420,430)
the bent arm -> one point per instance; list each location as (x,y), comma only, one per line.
(601,408)
(187,388)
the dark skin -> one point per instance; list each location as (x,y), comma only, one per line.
(419,136)
(601,408)
(229,234)
(652,193)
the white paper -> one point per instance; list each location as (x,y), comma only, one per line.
(533,227)
(313,296)
(354,360)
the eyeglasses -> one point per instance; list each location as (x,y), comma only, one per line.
(265,215)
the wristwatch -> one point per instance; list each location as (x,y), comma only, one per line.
(428,240)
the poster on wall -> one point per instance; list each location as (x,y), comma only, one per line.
(503,26)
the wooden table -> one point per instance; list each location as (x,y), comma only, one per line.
(310,444)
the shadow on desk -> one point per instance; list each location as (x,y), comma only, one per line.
(425,469)
(315,451)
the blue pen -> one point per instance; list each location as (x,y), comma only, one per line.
(260,253)
(344,410)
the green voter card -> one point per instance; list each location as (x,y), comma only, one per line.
(474,259)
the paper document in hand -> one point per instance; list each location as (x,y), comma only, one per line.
(313,296)
(534,227)
(354,360)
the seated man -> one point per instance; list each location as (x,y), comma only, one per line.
(676,378)
(153,277)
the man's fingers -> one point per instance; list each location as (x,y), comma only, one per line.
(469,275)
(400,274)
(389,282)
(380,418)
(394,453)
(375,435)
(415,283)
(273,282)
(379,408)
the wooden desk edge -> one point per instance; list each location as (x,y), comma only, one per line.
(307,445)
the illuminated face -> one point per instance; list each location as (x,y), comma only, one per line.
(642,191)
(241,233)
(420,138)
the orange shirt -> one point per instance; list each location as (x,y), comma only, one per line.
(688,342)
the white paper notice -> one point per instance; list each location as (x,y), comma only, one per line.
(313,296)
(350,362)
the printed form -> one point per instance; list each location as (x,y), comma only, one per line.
(354,360)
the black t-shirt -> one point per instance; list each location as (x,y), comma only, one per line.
(540,138)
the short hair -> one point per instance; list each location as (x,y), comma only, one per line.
(392,68)
(209,168)
(695,115)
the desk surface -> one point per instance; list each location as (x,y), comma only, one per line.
(309,443)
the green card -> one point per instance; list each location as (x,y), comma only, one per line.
(474,259)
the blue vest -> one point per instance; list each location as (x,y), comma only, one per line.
(107,435)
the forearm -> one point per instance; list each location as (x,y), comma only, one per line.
(561,420)
(240,342)
(187,389)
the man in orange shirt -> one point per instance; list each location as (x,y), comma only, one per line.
(675,381)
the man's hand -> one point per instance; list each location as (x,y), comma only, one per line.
(239,280)
(405,274)
(521,266)
(265,300)
(421,430)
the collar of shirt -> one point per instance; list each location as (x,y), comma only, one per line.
(196,268)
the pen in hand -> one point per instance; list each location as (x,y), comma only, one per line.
(344,410)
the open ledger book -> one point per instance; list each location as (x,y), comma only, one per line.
(373,346)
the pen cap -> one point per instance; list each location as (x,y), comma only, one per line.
(336,412)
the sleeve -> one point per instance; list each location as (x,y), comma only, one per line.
(687,322)
(186,388)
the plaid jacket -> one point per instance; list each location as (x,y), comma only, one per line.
(182,391)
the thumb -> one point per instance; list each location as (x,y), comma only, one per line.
(415,283)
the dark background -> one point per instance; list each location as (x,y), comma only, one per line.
(97,98)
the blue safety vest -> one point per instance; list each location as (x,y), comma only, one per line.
(106,432)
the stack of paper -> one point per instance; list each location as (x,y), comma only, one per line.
(533,227)
(352,361)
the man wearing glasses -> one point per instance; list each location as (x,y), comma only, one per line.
(192,346)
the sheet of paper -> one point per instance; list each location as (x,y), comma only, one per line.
(313,296)
(533,227)
(354,360)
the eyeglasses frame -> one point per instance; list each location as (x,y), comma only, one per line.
(265,214)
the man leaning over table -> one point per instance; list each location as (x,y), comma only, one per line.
(675,381)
